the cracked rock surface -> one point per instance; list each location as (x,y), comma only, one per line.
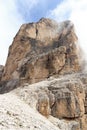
(42,49)
(59,102)
(46,52)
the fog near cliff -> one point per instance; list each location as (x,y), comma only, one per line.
(12,16)
(76,11)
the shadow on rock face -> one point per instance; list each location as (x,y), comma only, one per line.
(7,86)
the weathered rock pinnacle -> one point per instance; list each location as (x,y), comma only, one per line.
(42,49)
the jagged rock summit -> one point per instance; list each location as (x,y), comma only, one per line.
(42,49)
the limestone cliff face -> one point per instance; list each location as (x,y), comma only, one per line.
(45,50)
(63,97)
(42,49)
(1,71)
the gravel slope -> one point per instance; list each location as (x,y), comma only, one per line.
(16,115)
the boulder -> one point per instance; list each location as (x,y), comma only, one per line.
(60,98)
(69,100)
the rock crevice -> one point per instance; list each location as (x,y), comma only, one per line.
(43,47)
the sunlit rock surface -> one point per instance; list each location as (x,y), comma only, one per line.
(42,49)
(46,52)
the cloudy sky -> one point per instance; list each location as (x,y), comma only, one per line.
(13,13)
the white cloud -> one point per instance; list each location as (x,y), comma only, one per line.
(11,18)
(25,7)
(76,11)
(10,22)
(29,4)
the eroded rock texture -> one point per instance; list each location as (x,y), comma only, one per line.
(48,51)
(1,71)
(63,97)
(42,49)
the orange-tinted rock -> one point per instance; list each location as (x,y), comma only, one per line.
(42,49)
(69,101)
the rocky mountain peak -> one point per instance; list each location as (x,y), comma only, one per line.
(46,28)
(42,49)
